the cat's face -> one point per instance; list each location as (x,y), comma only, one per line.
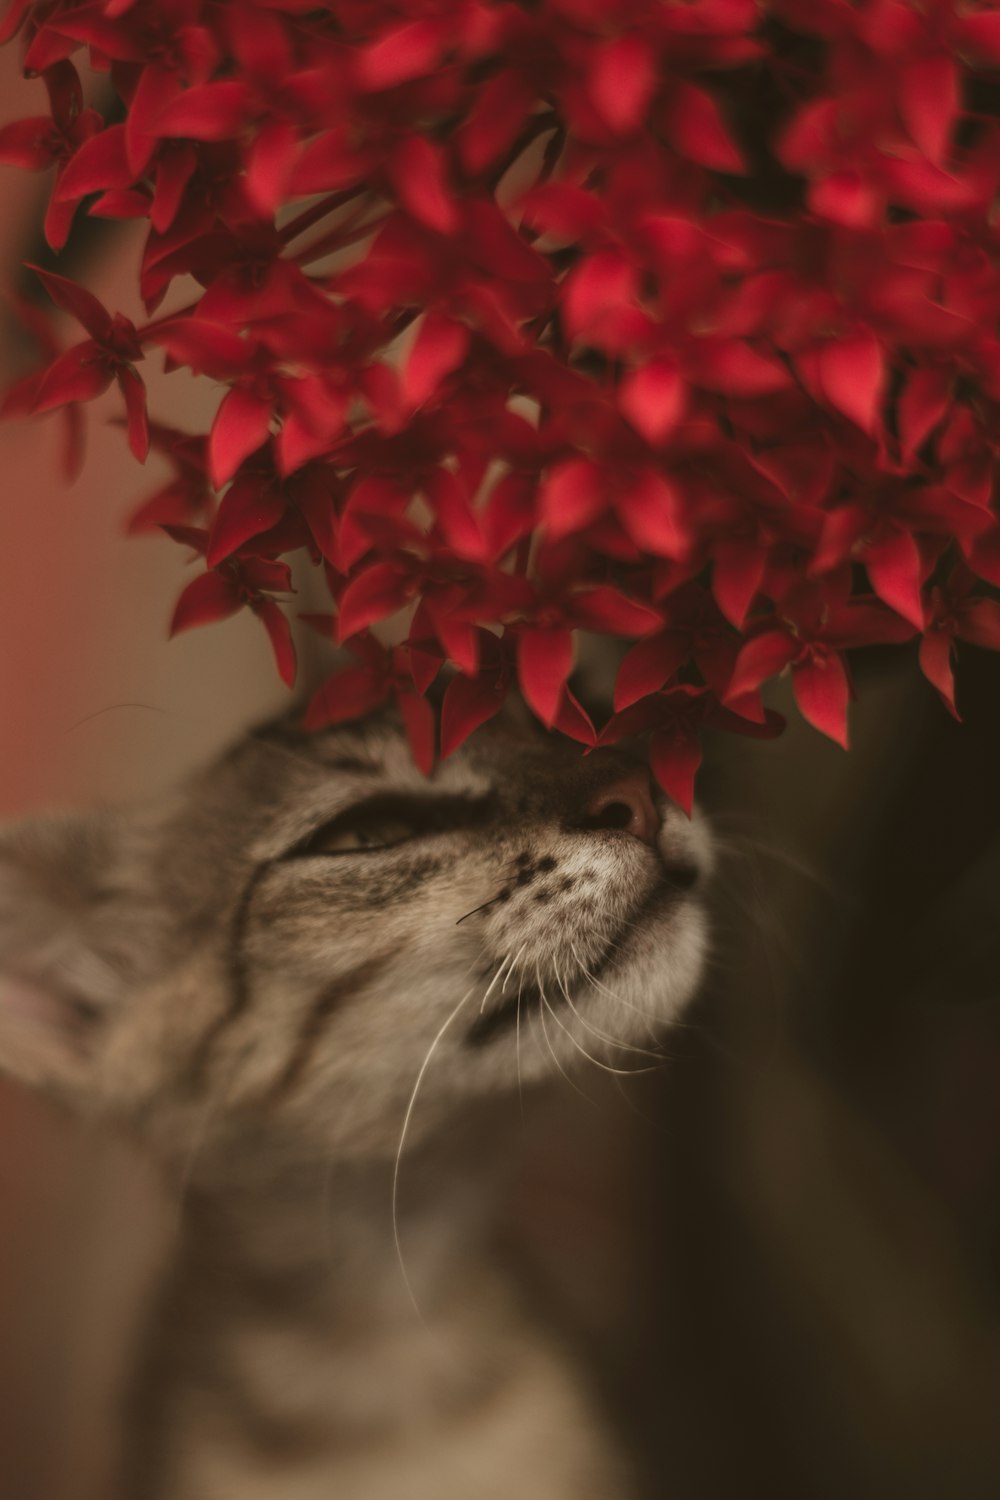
(311,925)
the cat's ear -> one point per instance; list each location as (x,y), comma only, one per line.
(61,964)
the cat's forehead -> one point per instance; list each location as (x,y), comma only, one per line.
(279,782)
(361,754)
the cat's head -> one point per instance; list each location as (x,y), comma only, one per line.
(280,950)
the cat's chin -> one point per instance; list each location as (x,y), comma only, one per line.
(647,971)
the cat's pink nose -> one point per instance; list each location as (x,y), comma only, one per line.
(626,803)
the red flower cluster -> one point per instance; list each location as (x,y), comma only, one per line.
(674,320)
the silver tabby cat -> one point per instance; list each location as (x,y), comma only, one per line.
(251,979)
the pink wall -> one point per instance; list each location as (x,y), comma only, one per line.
(83,611)
(95,705)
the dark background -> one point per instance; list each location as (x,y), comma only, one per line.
(805,1300)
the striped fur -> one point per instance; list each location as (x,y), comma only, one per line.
(236,981)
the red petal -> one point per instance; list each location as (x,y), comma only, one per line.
(544,661)
(602,283)
(241,425)
(842,528)
(57,223)
(847,198)
(821,691)
(374,595)
(195,537)
(697,130)
(134,391)
(468,702)
(497,115)
(650,510)
(207,598)
(207,112)
(982,32)
(935,663)
(425,664)
(248,508)
(76,300)
(622,81)
(269,164)
(571,496)
(980,623)
(401,54)
(652,398)
(419,173)
(99,164)
(120,203)
(421,727)
(439,348)
(928,102)
(174,170)
(300,440)
(14,18)
(279,633)
(349,694)
(72,377)
(763,657)
(158,86)
(737,574)
(809,137)
(985,558)
(736,369)
(455,516)
(647,667)
(922,405)
(169,505)
(608,609)
(327,163)
(851,374)
(459,640)
(675,762)
(206,348)
(27,143)
(574,721)
(895,569)
(510,513)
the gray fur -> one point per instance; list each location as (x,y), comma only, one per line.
(259,1021)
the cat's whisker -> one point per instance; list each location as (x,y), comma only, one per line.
(647,1015)
(596,1061)
(545,1006)
(408,1116)
(748,846)
(517,1046)
(494,981)
(602,1036)
(512,967)
(483,906)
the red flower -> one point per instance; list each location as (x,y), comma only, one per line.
(809,634)
(235,584)
(110,354)
(671,323)
(956,614)
(52,141)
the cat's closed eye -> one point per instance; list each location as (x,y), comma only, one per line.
(383,822)
(374,833)
(364,828)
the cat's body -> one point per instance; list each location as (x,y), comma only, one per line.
(299,985)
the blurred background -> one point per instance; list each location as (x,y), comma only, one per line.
(779,1256)
(95,706)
